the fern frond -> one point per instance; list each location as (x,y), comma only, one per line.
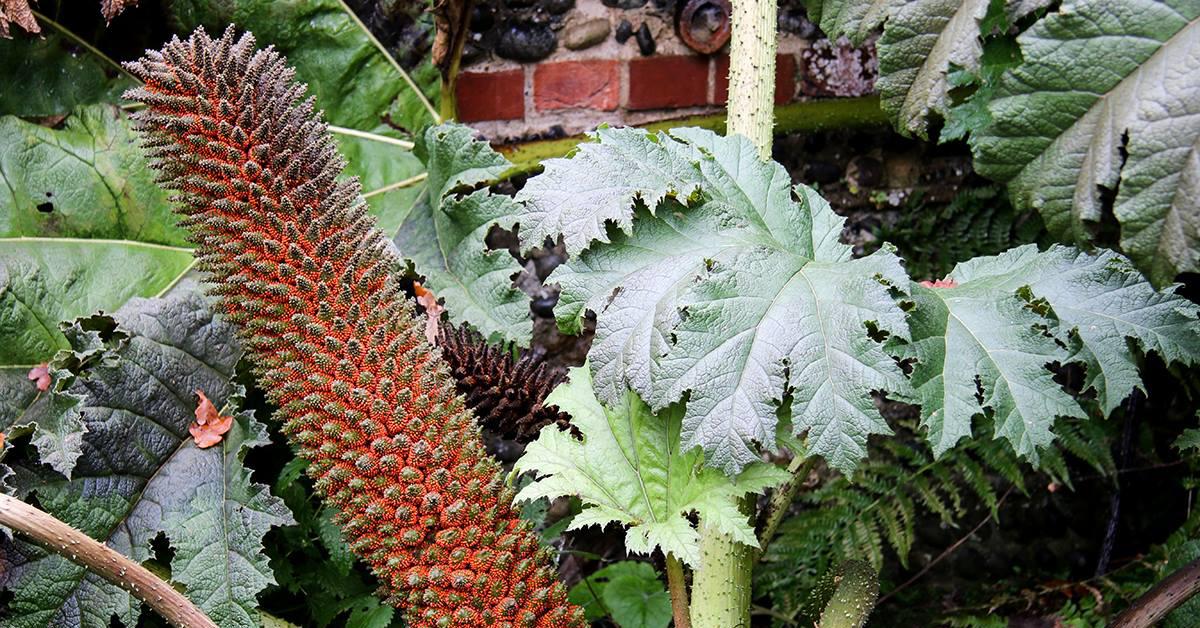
(877,511)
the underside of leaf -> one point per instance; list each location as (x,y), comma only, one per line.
(1107,100)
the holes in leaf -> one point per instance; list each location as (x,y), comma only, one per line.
(46,207)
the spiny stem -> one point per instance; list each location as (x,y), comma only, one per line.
(102,560)
(721,586)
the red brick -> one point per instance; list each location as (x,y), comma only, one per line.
(668,82)
(577,84)
(785,79)
(491,95)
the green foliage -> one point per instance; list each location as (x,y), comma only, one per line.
(313,564)
(630,468)
(87,179)
(134,388)
(985,342)
(444,235)
(630,592)
(978,221)
(924,44)
(727,288)
(732,289)
(854,19)
(900,487)
(53,78)
(43,281)
(1102,103)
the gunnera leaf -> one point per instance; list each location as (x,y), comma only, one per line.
(1105,112)
(854,19)
(445,235)
(141,475)
(740,296)
(55,76)
(630,468)
(996,324)
(85,180)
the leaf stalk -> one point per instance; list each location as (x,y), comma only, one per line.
(79,548)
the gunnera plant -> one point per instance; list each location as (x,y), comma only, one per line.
(298,266)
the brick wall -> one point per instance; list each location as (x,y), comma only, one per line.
(612,79)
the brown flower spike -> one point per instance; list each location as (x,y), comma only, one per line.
(301,270)
(508,395)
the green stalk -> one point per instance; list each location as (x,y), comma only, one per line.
(721,585)
(752,72)
(856,588)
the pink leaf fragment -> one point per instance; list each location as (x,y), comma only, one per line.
(433,311)
(940,283)
(40,375)
(210,426)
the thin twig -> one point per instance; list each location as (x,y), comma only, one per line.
(90,48)
(1114,501)
(781,501)
(102,560)
(437,119)
(946,552)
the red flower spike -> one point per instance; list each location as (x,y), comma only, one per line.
(301,270)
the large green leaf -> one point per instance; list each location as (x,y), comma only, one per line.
(630,468)
(445,234)
(142,474)
(854,19)
(923,43)
(1107,100)
(61,187)
(53,76)
(87,179)
(992,336)
(44,281)
(734,300)
(631,593)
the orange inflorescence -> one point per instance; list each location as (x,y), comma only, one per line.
(309,281)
